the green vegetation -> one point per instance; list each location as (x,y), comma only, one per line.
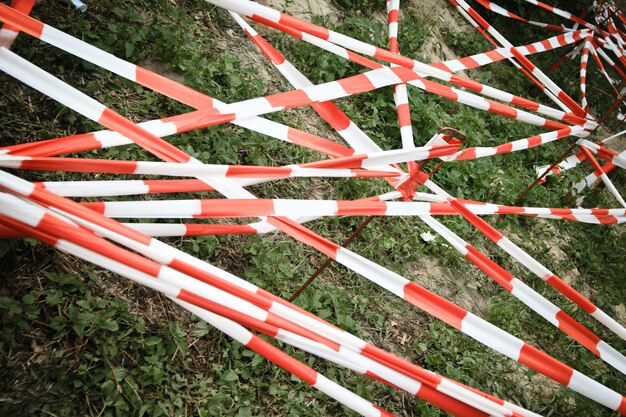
(79,341)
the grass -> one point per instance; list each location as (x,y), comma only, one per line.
(76,340)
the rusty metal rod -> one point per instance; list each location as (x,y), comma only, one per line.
(327,262)
(542,176)
(354,234)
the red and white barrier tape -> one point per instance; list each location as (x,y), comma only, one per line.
(535,71)
(443,309)
(106,166)
(489,5)
(499,54)
(8,33)
(159,254)
(400,93)
(233,208)
(526,260)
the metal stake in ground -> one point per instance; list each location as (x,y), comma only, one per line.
(367,221)
(328,261)
(546,172)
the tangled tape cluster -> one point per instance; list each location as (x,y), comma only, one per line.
(235,306)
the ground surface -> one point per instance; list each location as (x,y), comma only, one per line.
(79,341)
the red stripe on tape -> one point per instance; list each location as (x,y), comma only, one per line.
(494,55)
(173,89)
(571,293)
(622,407)
(27,230)
(584,336)
(393,44)
(489,267)
(504,148)
(283,360)
(502,109)
(393,15)
(356,84)
(144,139)
(510,210)
(480,224)
(304,235)
(469,62)
(389,56)
(522,102)
(469,153)
(317,143)
(545,364)
(80,165)
(21,21)
(361,208)
(434,304)
(333,115)
(534,141)
(97,206)
(361,60)
(235,208)
(23,6)
(242,171)
(289,99)
(59,146)
(440,90)
(9,233)
(404,115)
(304,26)
(175,186)
(269,51)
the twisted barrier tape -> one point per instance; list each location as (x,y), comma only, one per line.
(183,169)
(499,54)
(160,251)
(449,395)
(527,261)
(352,85)
(268,16)
(531,298)
(605,179)
(559,283)
(605,38)
(612,41)
(592,178)
(573,160)
(328,111)
(529,66)
(489,5)
(584,58)
(105,139)
(290,208)
(49,229)
(479,27)
(585,52)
